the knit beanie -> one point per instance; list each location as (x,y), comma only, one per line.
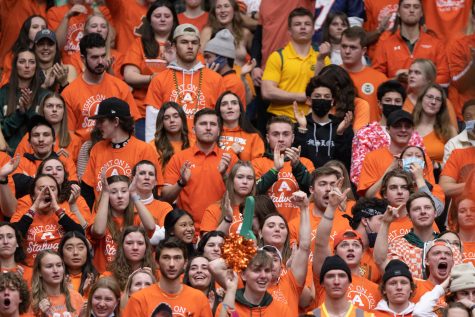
(396,268)
(462,277)
(222,44)
(334,263)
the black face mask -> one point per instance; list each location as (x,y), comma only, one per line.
(372,238)
(388,109)
(321,106)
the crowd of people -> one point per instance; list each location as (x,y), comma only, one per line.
(133,133)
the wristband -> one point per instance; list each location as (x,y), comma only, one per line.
(226,219)
(302,130)
(328,218)
(59,212)
(31,213)
(274,171)
(4,181)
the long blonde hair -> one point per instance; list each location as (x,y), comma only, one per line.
(37,289)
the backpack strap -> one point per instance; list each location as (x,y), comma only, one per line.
(281,58)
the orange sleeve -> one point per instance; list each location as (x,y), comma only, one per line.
(361,114)
(55,15)
(24,204)
(370,173)
(453,165)
(70,167)
(152,156)
(133,307)
(135,55)
(72,120)
(129,98)
(24,146)
(443,75)
(380,61)
(308,164)
(210,220)
(172,172)
(257,147)
(84,209)
(153,97)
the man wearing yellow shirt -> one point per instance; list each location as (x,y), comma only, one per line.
(288,70)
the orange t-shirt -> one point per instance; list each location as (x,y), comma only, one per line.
(119,58)
(350,313)
(75,29)
(449,19)
(460,163)
(12,15)
(362,114)
(82,100)
(199,21)
(29,167)
(212,215)
(281,191)
(58,305)
(459,55)
(44,233)
(104,158)
(24,271)
(25,202)
(126,17)
(468,248)
(73,147)
(375,164)
(136,56)
(401,226)
(4,159)
(187,302)
(234,83)
(424,286)
(251,143)
(176,145)
(434,147)
(375,11)
(339,224)
(366,83)
(368,268)
(105,248)
(159,209)
(186,90)
(205,185)
(362,293)
(287,292)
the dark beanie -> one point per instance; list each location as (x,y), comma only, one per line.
(334,262)
(396,268)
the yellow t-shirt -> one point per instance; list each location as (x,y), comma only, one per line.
(292,73)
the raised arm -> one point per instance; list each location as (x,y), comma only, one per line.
(99,226)
(8,203)
(145,216)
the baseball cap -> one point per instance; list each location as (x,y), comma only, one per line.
(186,29)
(45,34)
(399,115)
(346,235)
(112,107)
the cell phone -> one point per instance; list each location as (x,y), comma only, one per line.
(221,60)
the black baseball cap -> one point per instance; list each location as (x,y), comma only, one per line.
(111,108)
(399,115)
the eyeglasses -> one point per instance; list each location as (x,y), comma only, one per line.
(432,98)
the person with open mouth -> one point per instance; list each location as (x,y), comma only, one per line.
(51,295)
(14,295)
(104,298)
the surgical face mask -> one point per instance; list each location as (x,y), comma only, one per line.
(388,109)
(469,125)
(321,106)
(407,162)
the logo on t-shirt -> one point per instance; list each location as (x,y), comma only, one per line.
(367,88)
(450,5)
(89,109)
(281,191)
(361,297)
(74,36)
(113,167)
(190,98)
(43,237)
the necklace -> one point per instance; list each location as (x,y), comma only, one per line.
(198,94)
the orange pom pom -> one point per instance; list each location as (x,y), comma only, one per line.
(237,251)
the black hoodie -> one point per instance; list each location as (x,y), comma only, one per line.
(321,143)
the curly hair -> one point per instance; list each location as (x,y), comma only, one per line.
(15,281)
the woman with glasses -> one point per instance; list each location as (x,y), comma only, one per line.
(432,122)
